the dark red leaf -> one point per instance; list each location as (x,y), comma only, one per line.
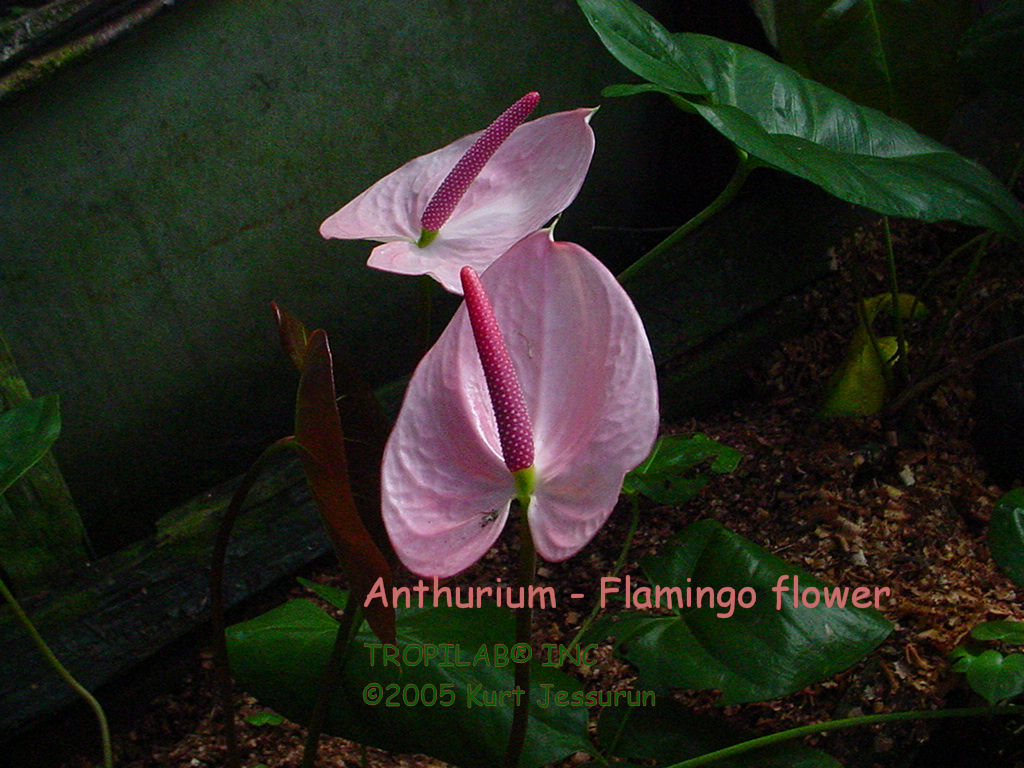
(294,337)
(322,453)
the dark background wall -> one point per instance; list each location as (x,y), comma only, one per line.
(155,197)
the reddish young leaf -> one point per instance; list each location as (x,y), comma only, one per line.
(322,454)
(293,334)
(367,428)
(365,423)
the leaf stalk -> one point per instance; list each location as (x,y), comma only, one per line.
(60,669)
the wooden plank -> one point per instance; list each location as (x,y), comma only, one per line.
(127,607)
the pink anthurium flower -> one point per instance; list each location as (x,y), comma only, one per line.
(567,406)
(468,202)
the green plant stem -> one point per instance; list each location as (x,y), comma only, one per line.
(848,722)
(524,627)
(919,387)
(739,176)
(60,669)
(926,287)
(220,551)
(426,312)
(620,562)
(351,618)
(902,364)
(867,323)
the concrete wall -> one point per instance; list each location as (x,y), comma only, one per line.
(157,195)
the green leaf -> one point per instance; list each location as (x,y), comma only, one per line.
(336,597)
(26,433)
(321,447)
(643,45)
(1011,632)
(786,121)
(264,718)
(860,385)
(990,674)
(1006,535)
(992,50)
(895,56)
(668,475)
(750,653)
(278,657)
(670,733)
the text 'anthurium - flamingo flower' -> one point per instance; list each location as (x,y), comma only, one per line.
(467,203)
(575,346)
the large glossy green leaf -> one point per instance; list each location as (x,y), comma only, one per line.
(769,649)
(278,657)
(670,733)
(643,45)
(670,474)
(26,433)
(892,55)
(1006,535)
(786,121)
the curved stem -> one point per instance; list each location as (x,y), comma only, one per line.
(524,625)
(351,618)
(60,669)
(426,313)
(848,722)
(902,367)
(724,198)
(921,386)
(220,551)
(933,275)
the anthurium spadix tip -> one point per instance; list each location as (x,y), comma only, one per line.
(455,184)
(586,375)
(514,431)
(477,212)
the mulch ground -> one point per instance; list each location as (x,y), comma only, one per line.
(901,502)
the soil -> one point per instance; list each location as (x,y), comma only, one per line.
(901,502)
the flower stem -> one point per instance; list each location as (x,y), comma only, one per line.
(351,618)
(848,722)
(524,627)
(426,313)
(60,669)
(724,198)
(902,366)
(220,551)
(943,335)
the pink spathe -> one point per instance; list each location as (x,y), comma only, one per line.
(531,177)
(588,383)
